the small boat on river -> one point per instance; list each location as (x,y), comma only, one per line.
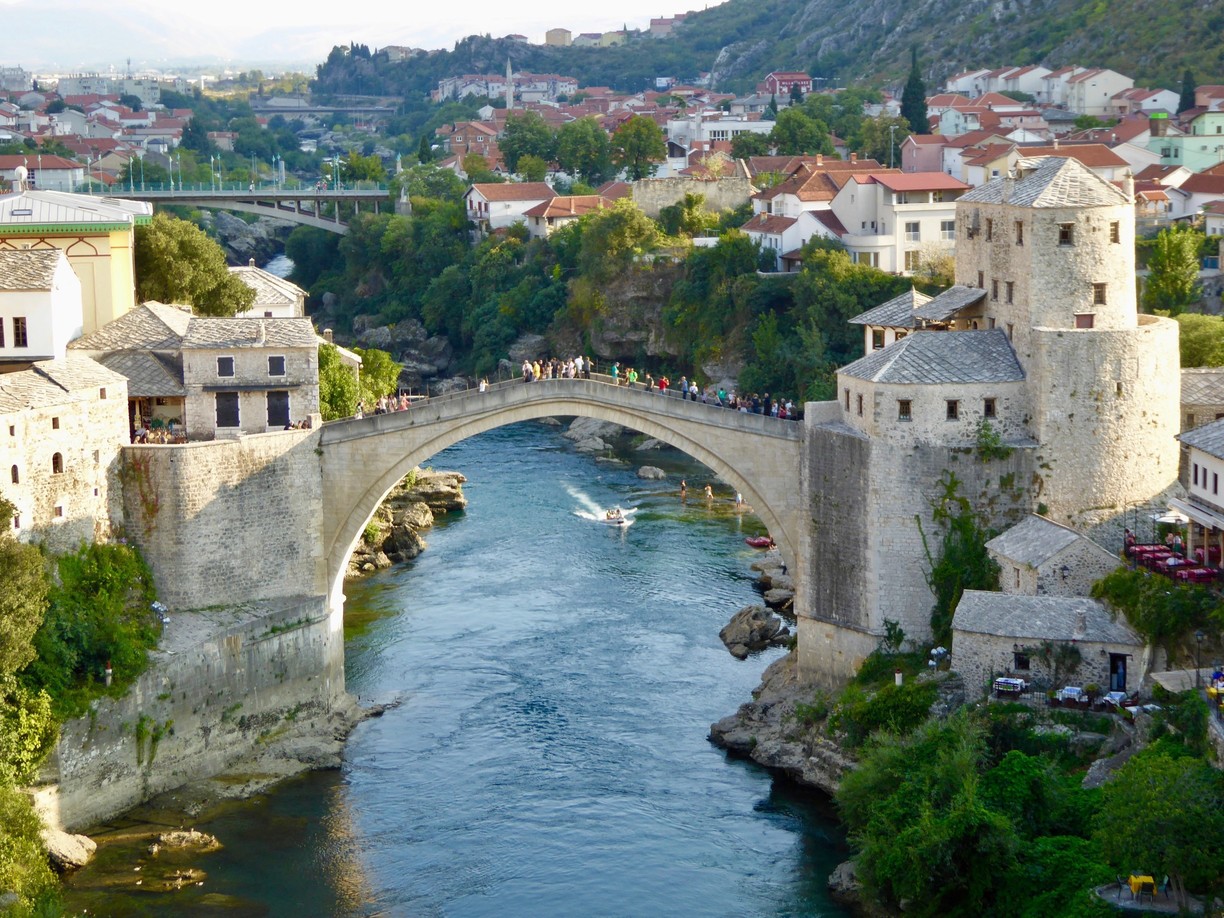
(617,517)
(760,541)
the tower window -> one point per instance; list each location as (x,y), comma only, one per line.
(1098,294)
(1011,290)
(989,229)
(21,336)
(225,366)
(953,409)
(860,405)
(1115,232)
(981,280)
(57,464)
(988,408)
(55,423)
(994,290)
(1019,232)
(16,476)
(847,391)
(904,409)
(276,366)
(1066,234)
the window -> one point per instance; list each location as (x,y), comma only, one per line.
(55,423)
(994,290)
(1189,422)
(1115,232)
(102,394)
(1010,287)
(16,476)
(1083,320)
(1,332)
(904,409)
(953,409)
(877,338)
(860,405)
(276,366)
(21,337)
(912,260)
(59,512)
(1098,294)
(1020,661)
(847,391)
(227,409)
(1066,234)
(1215,482)
(989,229)
(278,409)
(57,464)
(1010,328)
(988,408)
(981,280)
(225,366)
(1019,232)
(912,232)
(947,230)
(1195,473)
(901,334)
(16,521)
(1017,570)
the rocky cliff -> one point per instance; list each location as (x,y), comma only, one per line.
(394,535)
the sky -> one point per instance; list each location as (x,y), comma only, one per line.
(71,35)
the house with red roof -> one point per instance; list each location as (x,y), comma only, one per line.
(1091,91)
(44,171)
(780,82)
(494,206)
(782,236)
(1138,100)
(550,215)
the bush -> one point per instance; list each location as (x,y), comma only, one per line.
(895,709)
(23,863)
(27,730)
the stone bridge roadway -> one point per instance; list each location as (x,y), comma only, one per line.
(362,459)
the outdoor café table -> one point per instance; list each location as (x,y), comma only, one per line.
(1006,685)
(1142,884)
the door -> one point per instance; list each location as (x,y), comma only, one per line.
(278,410)
(1117,672)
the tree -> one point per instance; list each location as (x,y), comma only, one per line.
(638,146)
(358,168)
(612,238)
(795,134)
(771,110)
(1186,100)
(476,167)
(796,94)
(425,150)
(379,374)
(749,143)
(527,133)
(532,168)
(584,150)
(1167,815)
(881,138)
(131,101)
(338,386)
(913,98)
(23,595)
(1173,267)
(687,217)
(177,263)
(1201,340)
(429,181)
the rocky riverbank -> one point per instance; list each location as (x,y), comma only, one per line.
(394,534)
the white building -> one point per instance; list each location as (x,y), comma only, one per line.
(275,297)
(40,305)
(495,205)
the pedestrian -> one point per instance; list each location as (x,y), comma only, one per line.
(739,500)
(649,383)
(615,373)
(683,488)
(484,386)
(683,387)
(586,369)
(360,409)
(693,391)
(709,492)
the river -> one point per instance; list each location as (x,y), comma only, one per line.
(548,756)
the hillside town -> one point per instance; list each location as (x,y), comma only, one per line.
(1015,373)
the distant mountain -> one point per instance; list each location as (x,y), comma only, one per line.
(740,41)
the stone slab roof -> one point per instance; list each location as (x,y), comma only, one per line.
(1202,385)
(1209,438)
(896,313)
(151,326)
(270,290)
(1041,618)
(950,302)
(215,333)
(1033,541)
(28,269)
(148,375)
(932,357)
(52,382)
(1049,182)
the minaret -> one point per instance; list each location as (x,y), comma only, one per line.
(509,86)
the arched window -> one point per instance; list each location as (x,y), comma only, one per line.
(57,463)
(16,476)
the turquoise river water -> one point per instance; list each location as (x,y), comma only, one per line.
(557,678)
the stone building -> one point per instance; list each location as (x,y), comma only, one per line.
(40,305)
(214,376)
(62,424)
(1034,385)
(1202,396)
(275,297)
(1001,634)
(97,234)
(1039,557)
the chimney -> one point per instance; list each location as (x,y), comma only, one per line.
(327,335)
(820,159)
(251,263)
(1055,143)
(261,334)
(1008,184)
(1128,186)
(854,157)
(1158,124)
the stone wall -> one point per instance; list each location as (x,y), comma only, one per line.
(227,520)
(252,382)
(653,194)
(980,658)
(223,683)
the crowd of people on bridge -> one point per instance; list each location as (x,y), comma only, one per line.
(581,367)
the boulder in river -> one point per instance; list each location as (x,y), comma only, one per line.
(651,473)
(753,628)
(587,428)
(67,851)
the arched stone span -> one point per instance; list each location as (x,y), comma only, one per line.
(363,459)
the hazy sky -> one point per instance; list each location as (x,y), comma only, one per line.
(71,33)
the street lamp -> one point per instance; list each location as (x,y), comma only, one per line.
(892,131)
(1198,653)
(140,156)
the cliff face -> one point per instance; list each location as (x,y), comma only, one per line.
(627,323)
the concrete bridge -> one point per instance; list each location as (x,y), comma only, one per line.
(304,205)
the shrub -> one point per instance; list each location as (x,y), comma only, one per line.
(895,709)
(23,863)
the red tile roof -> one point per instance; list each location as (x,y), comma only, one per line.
(772,224)
(515,191)
(1092,155)
(916,181)
(568,206)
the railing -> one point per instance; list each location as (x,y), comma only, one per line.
(232,189)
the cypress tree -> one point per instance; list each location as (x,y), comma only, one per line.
(1187,92)
(424,151)
(913,99)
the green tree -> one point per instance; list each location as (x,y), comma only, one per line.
(338,387)
(638,146)
(23,595)
(881,138)
(796,94)
(476,167)
(1186,101)
(613,238)
(527,133)
(795,134)
(749,143)
(913,98)
(687,217)
(430,181)
(24,869)
(584,150)
(1173,266)
(176,262)
(1201,340)
(379,374)
(532,168)
(1166,816)
(357,168)
(425,150)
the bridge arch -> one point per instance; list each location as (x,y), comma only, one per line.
(363,459)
